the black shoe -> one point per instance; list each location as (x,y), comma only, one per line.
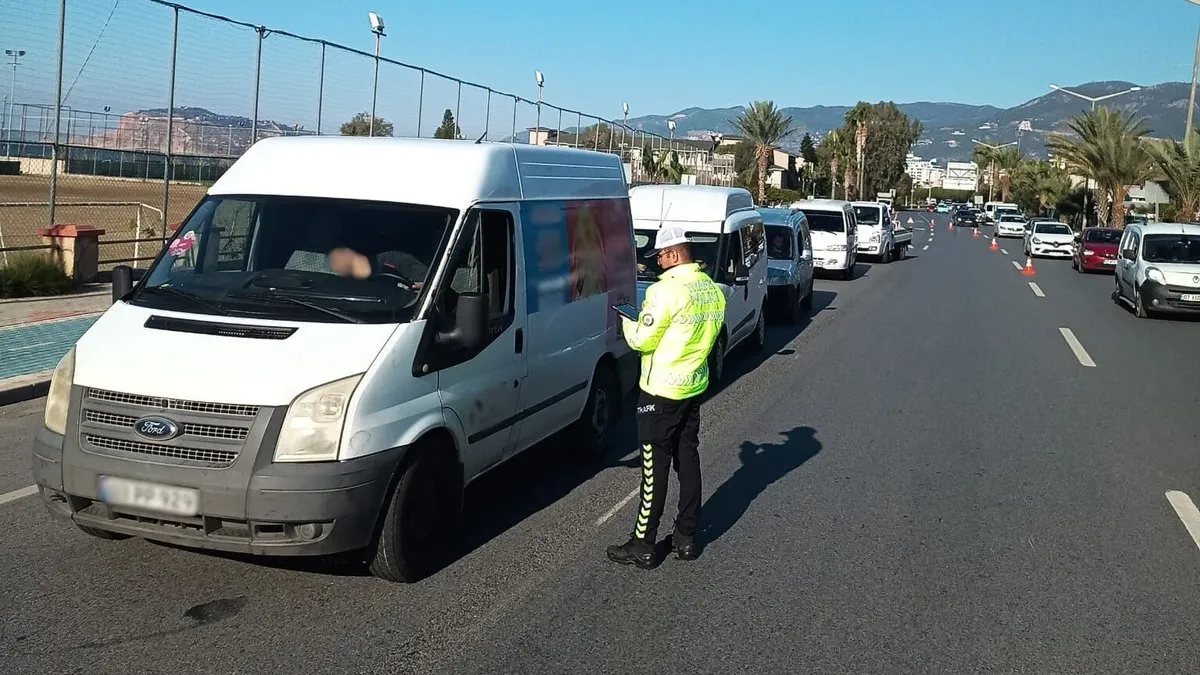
(685,548)
(633,552)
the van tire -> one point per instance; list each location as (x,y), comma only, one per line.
(594,429)
(103,534)
(758,341)
(807,302)
(716,363)
(428,493)
(795,306)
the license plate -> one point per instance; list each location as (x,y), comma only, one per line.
(1110,262)
(1190,297)
(149,496)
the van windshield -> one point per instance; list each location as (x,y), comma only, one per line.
(299,259)
(779,242)
(1171,248)
(868,215)
(824,221)
(705,247)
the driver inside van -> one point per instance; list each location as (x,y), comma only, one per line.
(347,262)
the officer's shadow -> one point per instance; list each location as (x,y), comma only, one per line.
(762,466)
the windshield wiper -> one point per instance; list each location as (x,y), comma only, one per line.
(187,295)
(348,318)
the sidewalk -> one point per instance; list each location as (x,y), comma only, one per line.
(36,332)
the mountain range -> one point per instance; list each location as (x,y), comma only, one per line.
(951,127)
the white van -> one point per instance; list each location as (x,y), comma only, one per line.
(834,234)
(729,242)
(342,335)
(874,230)
(990,209)
(1158,269)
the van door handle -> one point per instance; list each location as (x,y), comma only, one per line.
(520,341)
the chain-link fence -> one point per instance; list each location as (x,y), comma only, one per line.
(198,89)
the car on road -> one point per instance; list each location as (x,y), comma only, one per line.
(990,209)
(966,218)
(789,264)
(1049,239)
(352,339)
(834,234)
(874,231)
(729,242)
(1158,269)
(943,208)
(1010,225)
(1096,250)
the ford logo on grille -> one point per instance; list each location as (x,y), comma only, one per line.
(155,428)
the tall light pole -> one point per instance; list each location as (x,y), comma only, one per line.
(540,79)
(992,165)
(671,127)
(1094,100)
(377,29)
(1187,133)
(15,55)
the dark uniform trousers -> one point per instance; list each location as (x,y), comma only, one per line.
(669,433)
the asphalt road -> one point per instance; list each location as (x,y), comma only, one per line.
(925,478)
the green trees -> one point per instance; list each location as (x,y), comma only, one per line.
(1180,165)
(765,126)
(1110,147)
(662,165)
(448,129)
(360,125)
(867,154)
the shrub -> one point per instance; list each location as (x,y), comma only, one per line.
(32,275)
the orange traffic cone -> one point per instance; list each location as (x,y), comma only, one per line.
(1028,271)
(994,246)
(950,226)
(975,233)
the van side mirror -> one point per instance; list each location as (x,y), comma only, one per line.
(122,281)
(470,323)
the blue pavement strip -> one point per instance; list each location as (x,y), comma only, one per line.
(38,347)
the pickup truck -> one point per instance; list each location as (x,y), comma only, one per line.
(901,237)
(879,234)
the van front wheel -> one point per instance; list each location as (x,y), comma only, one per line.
(420,528)
(594,429)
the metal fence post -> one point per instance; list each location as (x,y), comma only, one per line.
(62,36)
(558,129)
(420,102)
(457,107)
(487,119)
(262,34)
(514,129)
(168,167)
(578,128)
(321,89)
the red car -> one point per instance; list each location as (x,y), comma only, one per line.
(1096,250)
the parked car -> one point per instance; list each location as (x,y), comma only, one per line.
(834,234)
(1010,225)
(1159,268)
(323,388)
(990,209)
(1049,239)
(789,264)
(1096,250)
(966,218)
(729,242)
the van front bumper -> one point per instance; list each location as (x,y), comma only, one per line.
(831,260)
(1163,298)
(253,506)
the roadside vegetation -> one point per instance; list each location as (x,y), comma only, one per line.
(31,275)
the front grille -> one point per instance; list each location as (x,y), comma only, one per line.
(189,429)
(212,458)
(174,404)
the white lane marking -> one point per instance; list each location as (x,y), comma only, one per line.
(613,511)
(1077,348)
(1037,290)
(925,247)
(33,346)
(1017,265)
(1004,251)
(1187,512)
(18,494)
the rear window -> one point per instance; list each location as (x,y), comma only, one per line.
(868,215)
(1102,236)
(824,221)
(1011,218)
(1051,228)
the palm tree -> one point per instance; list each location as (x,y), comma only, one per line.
(1041,183)
(765,126)
(985,157)
(833,147)
(662,165)
(858,119)
(1180,164)
(1111,149)
(1008,160)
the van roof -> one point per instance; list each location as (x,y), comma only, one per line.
(830,205)
(1168,228)
(434,172)
(688,203)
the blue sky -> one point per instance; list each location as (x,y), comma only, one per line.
(665,57)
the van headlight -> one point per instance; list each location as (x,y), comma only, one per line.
(58,400)
(1155,274)
(875,238)
(312,428)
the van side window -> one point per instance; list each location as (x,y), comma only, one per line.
(1131,245)
(483,262)
(754,238)
(732,257)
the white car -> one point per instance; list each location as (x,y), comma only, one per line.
(834,234)
(1010,225)
(1050,239)
(1159,268)
(874,230)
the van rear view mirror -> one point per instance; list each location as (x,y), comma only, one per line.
(470,322)
(122,281)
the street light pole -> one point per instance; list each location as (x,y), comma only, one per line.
(1187,133)
(15,55)
(541,81)
(377,29)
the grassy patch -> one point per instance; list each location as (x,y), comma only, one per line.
(32,275)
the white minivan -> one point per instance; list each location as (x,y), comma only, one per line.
(342,335)
(834,234)
(729,242)
(1158,268)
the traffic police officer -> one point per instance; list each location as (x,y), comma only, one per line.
(679,323)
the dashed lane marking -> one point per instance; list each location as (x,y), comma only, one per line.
(1186,509)
(1077,348)
(1037,290)
(619,505)
(1017,265)
(18,494)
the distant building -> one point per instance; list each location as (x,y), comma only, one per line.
(960,176)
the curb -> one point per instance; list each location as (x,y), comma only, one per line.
(24,387)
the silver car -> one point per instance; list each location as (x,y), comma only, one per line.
(789,264)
